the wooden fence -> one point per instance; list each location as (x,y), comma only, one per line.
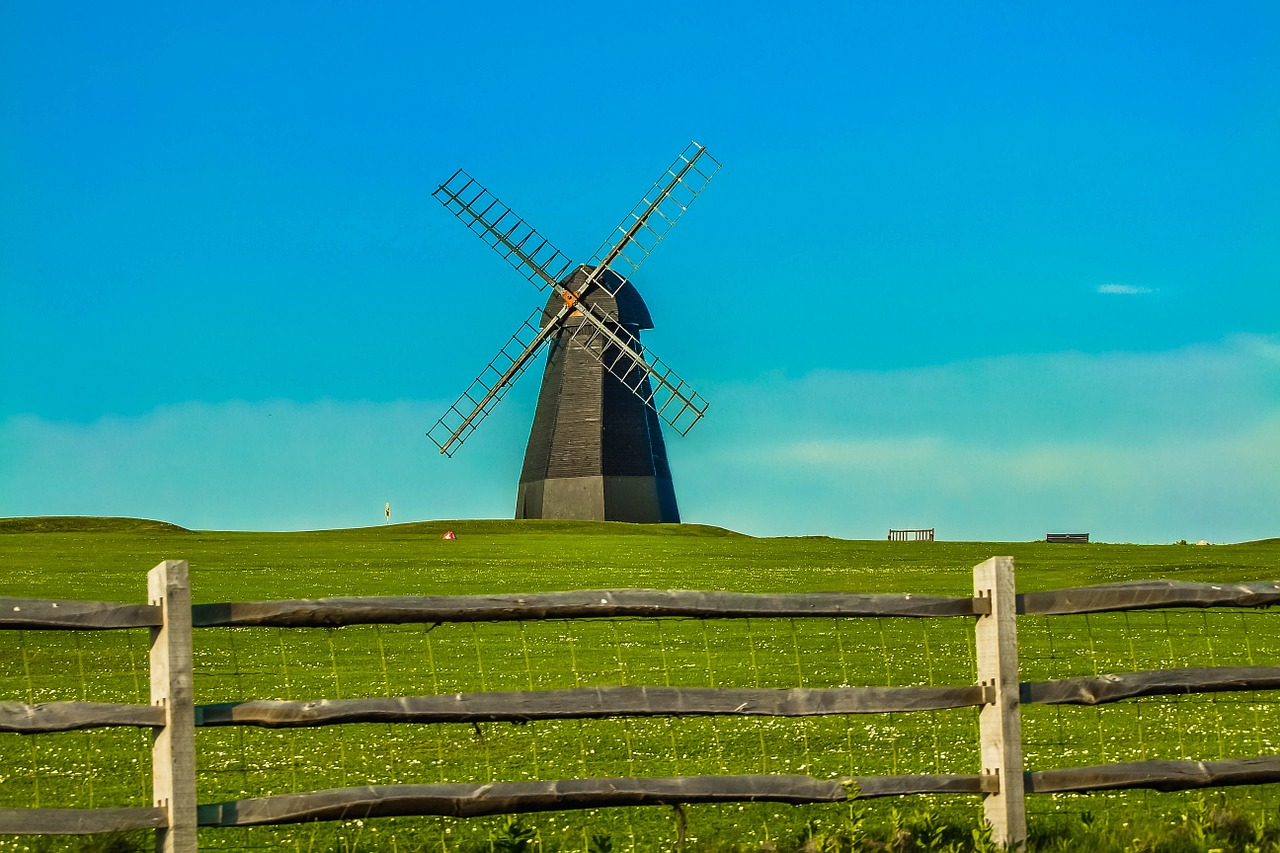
(921,535)
(1003,784)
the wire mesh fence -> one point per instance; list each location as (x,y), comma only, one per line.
(94,768)
(111,767)
(455,658)
(1192,726)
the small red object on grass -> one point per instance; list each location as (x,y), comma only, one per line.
(448,534)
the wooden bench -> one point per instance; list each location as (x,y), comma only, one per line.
(911,535)
(1067,537)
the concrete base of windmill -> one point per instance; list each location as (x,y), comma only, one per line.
(641,500)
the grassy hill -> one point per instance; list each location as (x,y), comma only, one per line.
(107,559)
(86,524)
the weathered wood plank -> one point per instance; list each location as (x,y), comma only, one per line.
(590,702)
(461,800)
(1147,595)
(1157,775)
(589,604)
(868,787)
(1101,689)
(28,719)
(173,745)
(41,613)
(77,821)
(1000,723)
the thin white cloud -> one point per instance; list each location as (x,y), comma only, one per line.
(1126,289)
(1016,399)
(1149,447)
(1220,487)
(268,465)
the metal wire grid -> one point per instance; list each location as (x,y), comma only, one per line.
(643,373)
(531,254)
(104,767)
(643,228)
(1175,727)
(360,661)
(484,392)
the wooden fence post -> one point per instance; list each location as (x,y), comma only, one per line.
(1000,722)
(173,750)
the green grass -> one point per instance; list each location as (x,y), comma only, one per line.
(107,559)
(86,524)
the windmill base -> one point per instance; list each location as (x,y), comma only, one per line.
(641,500)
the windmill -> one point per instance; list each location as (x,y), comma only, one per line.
(595,449)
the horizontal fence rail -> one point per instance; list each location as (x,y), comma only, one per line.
(1157,775)
(1148,595)
(72,716)
(581,604)
(523,797)
(1101,689)
(591,702)
(34,821)
(632,701)
(36,613)
(173,715)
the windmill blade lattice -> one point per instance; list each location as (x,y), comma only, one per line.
(484,392)
(504,231)
(599,333)
(617,350)
(639,233)
(643,373)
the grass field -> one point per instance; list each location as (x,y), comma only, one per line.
(108,559)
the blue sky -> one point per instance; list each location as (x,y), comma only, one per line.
(999,269)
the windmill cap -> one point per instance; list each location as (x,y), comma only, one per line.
(625,303)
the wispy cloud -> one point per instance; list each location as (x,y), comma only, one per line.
(1126,289)
(266,465)
(1129,446)
(1215,486)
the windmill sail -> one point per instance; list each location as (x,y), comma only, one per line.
(600,333)
(505,232)
(643,373)
(488,388)
(641,230)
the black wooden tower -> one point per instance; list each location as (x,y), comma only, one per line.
(595,449)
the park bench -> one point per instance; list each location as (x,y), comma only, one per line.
(911,535)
